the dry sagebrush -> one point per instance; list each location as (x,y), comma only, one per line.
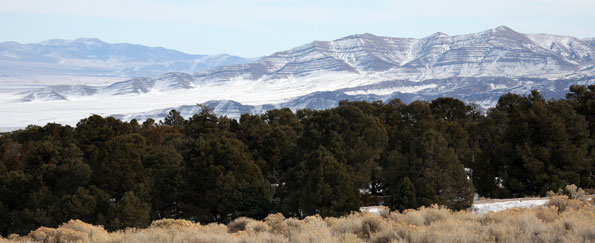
(561,220)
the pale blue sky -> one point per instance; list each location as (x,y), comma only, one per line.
(261,27)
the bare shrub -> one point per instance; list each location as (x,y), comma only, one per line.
(500,233)
(313,229)
(294,224)
(384,211)
(491,218)
(434,213)
(559,202)
(93,232)
(171,223)
(451,230)
(420,236)
(262,238)
(586,234)
(345,225)
(362,225)
(528,226)
(238,224)
(547,214)
(275,220)
(414,217)
(370,224)
(348,238)
(568,225)
(72,231)
(257,227)
(563,203)
(563,220)
(575,192)
(49,235)
(550,193)
(386,237)
(11,237)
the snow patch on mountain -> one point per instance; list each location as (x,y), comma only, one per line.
(385,91)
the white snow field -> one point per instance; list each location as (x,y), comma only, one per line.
(250,92)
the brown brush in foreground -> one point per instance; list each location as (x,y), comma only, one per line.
(561,220)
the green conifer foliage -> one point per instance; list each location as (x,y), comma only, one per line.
(438,175)
(321,185)
(329,162)
(129,211)
(164,167)
(223,182)
(174,119)
(539,146)
(402,195)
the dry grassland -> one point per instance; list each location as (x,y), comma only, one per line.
(561,220)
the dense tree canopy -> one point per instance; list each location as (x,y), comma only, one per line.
(329,162)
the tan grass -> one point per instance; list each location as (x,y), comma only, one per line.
(563,219)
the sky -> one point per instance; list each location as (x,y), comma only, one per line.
(252,28)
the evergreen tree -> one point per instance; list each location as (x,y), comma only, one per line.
(536,145)
(449,109)
(402,195)
(223,182)
(164,167)
(583,100)
(353,137)
(120,168)
(321,185)
(80,205)
(203,123)
(174,119)
(214,169)
(129,211)
(438,175)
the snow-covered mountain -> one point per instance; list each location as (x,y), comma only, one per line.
(476,68)
(499,52)
(93,57)
(496,52)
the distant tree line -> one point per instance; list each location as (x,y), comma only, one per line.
(329,162)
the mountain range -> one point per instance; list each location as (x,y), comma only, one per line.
(476,68)
(93,57)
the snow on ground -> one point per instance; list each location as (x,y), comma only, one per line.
(386,91)
(40,81)
(248,92)
(371,209)
(485,206)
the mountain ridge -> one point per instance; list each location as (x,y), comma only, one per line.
(94,57)
(409,55)
(475,68)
